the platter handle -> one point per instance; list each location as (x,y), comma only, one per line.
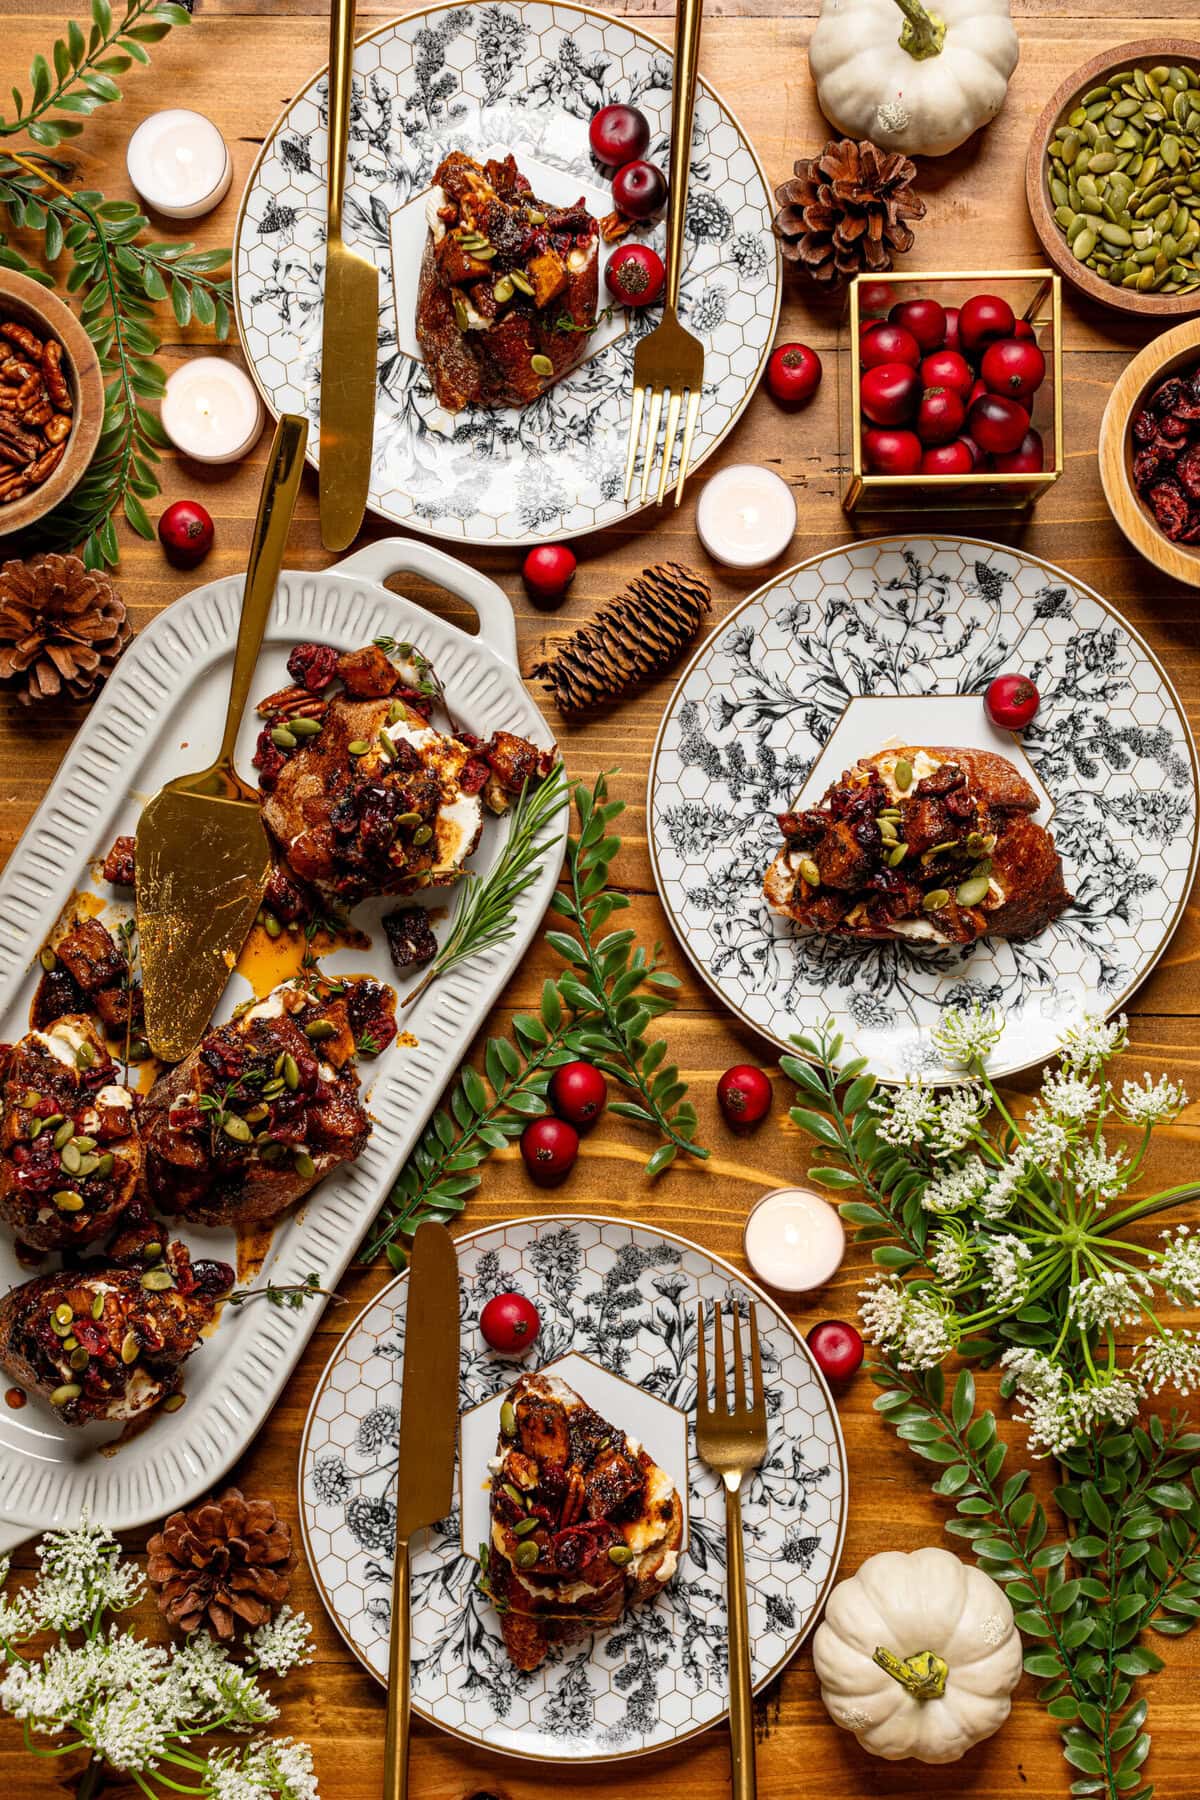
(405,556)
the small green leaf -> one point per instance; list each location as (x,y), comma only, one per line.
(963,1404)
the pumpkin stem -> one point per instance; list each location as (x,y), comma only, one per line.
(923,1675)
(923,33)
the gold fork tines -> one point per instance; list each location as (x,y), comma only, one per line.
(670,360)
(732,1440)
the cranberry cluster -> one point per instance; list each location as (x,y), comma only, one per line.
(1166,460)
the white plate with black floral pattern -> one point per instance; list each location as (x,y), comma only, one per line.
(895,641)
(618,1310)
(526,77)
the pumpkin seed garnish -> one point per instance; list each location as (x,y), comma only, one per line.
(508,1419)
(79,1357)
(896,855)
(283,738)
(304,728)
(70,1390)
(173,1402)
(98,1307)
(541,365)
(902,775)
(515,1495)
(130,1347)
(157,1281)
(67,1200)
(237,1129)
(304,1165)
(810,871)
(47,959)
(358,747)
(525,1555)
(64,1134)
(935,899)
(523,1527)
(317,1030)
(620,1554)
(521,282)
(63,1314)
(970,893)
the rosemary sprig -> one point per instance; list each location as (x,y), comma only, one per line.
(600,1008)
(485,916)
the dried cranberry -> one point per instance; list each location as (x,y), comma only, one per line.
(268,759)
(312,666)
(38,1169)
(1192,534)
(1146,468)
(866,834)
(420,703)
(1187,472)
(284,897)
(1171,511)
(473,775)
(226,1057)
(343,816)
(959,805)
(1173,428)
(92,1337)
(1164,398)
(1143,426)
(372,1009)
(577,1544)
(1187,408)
(410,938)
(212,1278)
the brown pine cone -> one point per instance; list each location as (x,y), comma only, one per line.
(224,1560)
(637,635)
(62,628)
(845,210)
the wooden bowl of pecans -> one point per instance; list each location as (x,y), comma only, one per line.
(51,401)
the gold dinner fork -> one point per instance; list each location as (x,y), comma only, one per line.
(733,1442)
(670,360)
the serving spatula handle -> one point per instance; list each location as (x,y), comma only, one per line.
(276,503)
(395,1749)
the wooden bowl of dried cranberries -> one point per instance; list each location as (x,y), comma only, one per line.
(51,401)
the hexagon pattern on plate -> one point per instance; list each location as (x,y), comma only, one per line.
(928,619)
(623,1296)
(529,76)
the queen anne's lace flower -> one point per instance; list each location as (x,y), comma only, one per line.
(284,1643)
(82,1573)
(1170,1358)
(908,1322)
(1150,1103)
(957,1189)
(1068,1097)
(1059,1416)
(996,1201)
(1007,1281)
(907,1115)
(1092,1042)
(950,1257)
(1107,1298)
(1178,1267)
(1099,1171)
(17,1617)
(968,1036)
(960,1115)
(1046,1139)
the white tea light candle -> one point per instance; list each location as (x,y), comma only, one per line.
(746,516)
(179,163)
(794,1240)
(211,410)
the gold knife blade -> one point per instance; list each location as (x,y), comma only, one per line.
(350,328)
(425,1478)
(202,853)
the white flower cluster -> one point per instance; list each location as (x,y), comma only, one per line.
(1105,1299)
(1092,1042)
(1099,1171)
(968,1036)
(133,1702)
(1178,1266)
(908,1321)
(996,1201)
(950,1257)
(916,1116)
(1058,1415)
(1170,1357)
(1047,1139)
(1069,1098)
(1149,1102)
(961,1186)
(1007,1281)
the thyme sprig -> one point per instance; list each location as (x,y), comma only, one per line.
(601,1007)
(485,915)
(293,1294)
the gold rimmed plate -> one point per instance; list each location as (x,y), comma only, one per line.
(895,640)
(527,77)
(618,1307)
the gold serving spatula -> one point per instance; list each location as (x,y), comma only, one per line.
(202,852)
(425,1480)
(350,332)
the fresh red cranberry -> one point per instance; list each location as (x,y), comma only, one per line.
(926,319)
(837,1349)
(1014,367)
(952,339)
(982,318)
(549,570)
(1023,329)
(578,1093)
(549,1147)
(947,369)
(875,296)
(1027,459)
(744,1095)
(997,424)
(955,458)
(639,190)
(185,531)
(940,416)
(889,344)
(619,135)
(1011,702)
(635,275)
(890,393)
(510,1323)
(892,452)
(793,374)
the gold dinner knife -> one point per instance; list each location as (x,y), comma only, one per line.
(202,853)
(425,1478)
(350,332)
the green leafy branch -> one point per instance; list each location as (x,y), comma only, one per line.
(600,1008)
(118,279)
(77,77)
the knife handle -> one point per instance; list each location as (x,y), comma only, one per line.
(395,1750)
(276,503)
(341,68)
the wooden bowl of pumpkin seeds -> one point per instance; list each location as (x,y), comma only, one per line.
(1113,178)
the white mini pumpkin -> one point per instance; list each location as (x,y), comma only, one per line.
(911,78)
(918,1655)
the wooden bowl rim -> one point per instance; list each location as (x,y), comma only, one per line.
(1182,562)
(1146,306)
(83,365)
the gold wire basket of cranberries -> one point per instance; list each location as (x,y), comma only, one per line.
(951,391)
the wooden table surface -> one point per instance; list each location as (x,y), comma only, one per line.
(241,62)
